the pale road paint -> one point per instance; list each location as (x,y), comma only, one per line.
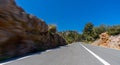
(14,60)
(96,56)
(21,58)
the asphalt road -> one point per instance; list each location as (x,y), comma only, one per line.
(73,54)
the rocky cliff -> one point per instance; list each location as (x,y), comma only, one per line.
(21,33)
(108,41)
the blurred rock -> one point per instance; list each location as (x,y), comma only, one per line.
(21,33)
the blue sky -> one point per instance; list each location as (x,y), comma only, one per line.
(74,14)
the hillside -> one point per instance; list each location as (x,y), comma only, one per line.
(21,33)
(90,33)
(71,36)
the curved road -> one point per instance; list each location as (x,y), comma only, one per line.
(73,54)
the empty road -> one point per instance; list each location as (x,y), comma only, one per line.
(73,54)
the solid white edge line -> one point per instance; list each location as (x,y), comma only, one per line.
(96,56)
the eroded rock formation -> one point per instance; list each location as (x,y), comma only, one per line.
(21,33)
(108,41)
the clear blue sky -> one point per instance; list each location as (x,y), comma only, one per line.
(74,14)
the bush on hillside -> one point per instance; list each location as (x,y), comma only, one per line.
(52,28)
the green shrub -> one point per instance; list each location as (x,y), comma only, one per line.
(52,28)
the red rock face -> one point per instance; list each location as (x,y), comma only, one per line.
(21,33)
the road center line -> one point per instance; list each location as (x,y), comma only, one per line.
(96,56)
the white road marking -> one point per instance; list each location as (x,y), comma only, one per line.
(21,58)
(14,60)
(48,50)
(96,56)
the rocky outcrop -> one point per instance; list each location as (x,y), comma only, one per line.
(21,33)
(108,41)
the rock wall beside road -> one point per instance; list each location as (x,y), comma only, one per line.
(21,33)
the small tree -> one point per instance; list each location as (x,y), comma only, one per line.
(88,32)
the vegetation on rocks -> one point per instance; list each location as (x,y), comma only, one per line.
(71,36)
(52,28)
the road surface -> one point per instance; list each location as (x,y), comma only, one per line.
(73,54)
